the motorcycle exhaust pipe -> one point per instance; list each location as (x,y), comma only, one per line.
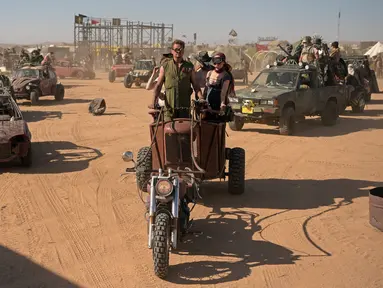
(152,212)
(175,212)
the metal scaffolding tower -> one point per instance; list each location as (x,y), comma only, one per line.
(103,36)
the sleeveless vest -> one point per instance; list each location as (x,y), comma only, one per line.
(177,86)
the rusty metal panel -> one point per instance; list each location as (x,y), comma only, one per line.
(172,146)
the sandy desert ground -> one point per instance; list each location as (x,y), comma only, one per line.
(71,220)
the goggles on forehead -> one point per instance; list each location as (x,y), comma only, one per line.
(217,60)
(178,50)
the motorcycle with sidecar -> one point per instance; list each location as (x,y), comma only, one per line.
(183,153)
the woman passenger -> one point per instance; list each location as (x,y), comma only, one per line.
(219,83)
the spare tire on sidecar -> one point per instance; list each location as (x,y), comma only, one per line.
(193,144)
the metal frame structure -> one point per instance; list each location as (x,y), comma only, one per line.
(100,36)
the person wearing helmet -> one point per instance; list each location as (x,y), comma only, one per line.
(309,52)
(118,57)
(24,56)
(219,83)
(289,48)
(36,57)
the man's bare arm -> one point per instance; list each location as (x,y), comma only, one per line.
(195,84)
(151,83)
(157,88)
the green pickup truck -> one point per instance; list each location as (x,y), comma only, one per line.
(283,95)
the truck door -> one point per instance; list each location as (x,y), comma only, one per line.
(305,103)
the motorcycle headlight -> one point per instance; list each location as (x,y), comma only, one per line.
(233,99)
(164,187)
(28,87)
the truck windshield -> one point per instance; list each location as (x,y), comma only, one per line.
(285,79)
(32,73)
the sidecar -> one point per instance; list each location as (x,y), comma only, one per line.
(198,146)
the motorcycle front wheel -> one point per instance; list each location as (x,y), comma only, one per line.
(161,245)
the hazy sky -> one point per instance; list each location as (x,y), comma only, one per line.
(28,22)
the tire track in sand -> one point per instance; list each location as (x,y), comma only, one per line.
(78,238)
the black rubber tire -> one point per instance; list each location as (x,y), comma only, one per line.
(143,178)
(27,160)
(360,105)
(112,76)
(127,81)
(236,183)
(236,124)
(34,97)
(161,245)
(287,121)
(367,97)
(330,113)
(80,75)
(60,92)
(92,75)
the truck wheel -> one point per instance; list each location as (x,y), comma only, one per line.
(92,75)
(80,75)
(237,123)
(34,97)
(26,161)
(359,106)
(112,76)
(236,171)
(368,97)
(287,121)
(60,92)
(330,113)
(161,245)
(144,159)
(128,81)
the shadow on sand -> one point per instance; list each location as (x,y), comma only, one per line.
(229,235)
(36,116)
(314,127)
(50,101)
(18,271)
(56,157)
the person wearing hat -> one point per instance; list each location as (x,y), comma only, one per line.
(219,83)
(309,52)
(203,67)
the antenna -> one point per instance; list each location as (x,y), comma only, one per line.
(338,34)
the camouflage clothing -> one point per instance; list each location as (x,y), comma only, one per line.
(37,59)
(178,89)
(309,54)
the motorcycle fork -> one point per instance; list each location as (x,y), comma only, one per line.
(174,213)
(152,211)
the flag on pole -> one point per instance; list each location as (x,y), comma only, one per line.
(94,22)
